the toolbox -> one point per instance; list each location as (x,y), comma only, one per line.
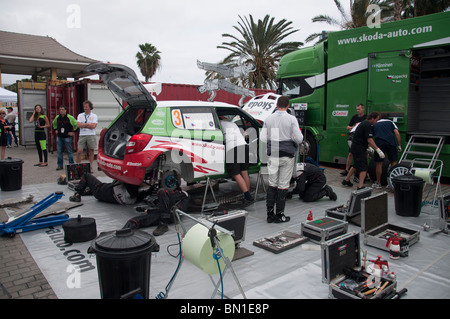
(342,271)
(280,242)
(444,213)
(376,228)
(235,221)
(352,208)
(323,229)
(75,171)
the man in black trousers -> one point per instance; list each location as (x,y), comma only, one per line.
(311,184)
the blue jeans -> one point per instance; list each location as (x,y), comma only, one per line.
(60,143)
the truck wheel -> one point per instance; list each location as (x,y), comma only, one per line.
(308,148)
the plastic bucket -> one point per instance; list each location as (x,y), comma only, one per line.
(123,263)
(408,195)
(11,174)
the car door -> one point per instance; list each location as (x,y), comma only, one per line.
(196,129)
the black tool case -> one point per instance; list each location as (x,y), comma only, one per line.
(352,208)
(342,254)
(375,225)
(234,221)
(323,229)
(75,171)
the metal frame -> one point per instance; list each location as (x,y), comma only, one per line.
(24,222)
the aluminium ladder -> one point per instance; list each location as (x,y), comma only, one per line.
(433,145)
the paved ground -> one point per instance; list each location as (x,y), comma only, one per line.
(20,277)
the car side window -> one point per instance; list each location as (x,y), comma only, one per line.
(193,118)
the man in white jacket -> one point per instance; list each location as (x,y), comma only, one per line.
(282,134)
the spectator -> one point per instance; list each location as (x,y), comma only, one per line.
(3,134)
(41,122)
(65,125)
(11,121)
(87,123)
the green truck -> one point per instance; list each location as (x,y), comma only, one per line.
(401,68)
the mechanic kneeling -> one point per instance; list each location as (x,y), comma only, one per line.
(311,184)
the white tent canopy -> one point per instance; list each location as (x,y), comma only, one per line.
(7,96)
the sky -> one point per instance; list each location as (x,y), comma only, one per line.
(183,31)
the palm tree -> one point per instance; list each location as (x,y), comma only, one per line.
(357,18)
(148,60)
(260,44)
(416,8)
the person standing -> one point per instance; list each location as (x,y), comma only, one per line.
(351,127)
(362,139)
(11,120)
(41,122)
(282,134)
(65,126)
(3,134)
(87,123)
(387,137)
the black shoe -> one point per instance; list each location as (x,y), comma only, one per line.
(281,218)
(161,229)
(347,183)
(332,195)
(248,202)
(344,173)
(59,168)
(358,188)
(270,217)
(75,198)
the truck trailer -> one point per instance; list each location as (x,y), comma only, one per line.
(401,68)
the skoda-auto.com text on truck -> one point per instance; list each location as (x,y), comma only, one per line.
(401,68)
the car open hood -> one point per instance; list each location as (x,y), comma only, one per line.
(123,81)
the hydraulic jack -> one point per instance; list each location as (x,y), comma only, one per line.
(23,222)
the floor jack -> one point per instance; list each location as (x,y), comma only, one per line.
(23,222)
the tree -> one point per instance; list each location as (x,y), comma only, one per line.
(416,8)
(357,18)
(261,44)
(148,60)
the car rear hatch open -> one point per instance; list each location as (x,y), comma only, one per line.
(123,82)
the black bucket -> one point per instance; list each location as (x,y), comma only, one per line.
(11,174)
(408,195)
(123,263)
(79,230)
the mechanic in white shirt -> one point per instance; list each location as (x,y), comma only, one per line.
(237,159)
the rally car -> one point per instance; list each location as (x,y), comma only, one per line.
(164,142)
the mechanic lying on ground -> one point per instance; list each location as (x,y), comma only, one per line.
(115,192)
(161,212)
(311,184)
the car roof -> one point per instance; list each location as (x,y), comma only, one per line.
(177,103)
